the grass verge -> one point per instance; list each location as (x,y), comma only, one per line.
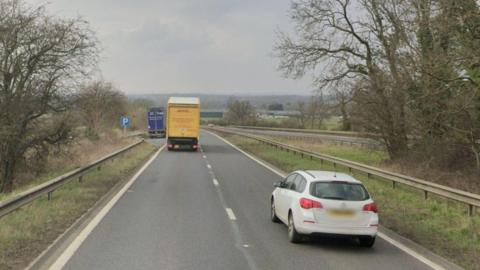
(368,156)
(438,224)
(24,234)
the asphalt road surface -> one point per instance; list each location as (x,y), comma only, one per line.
(175,217)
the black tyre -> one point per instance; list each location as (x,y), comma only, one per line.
(366,241)
(273,215)
(293,235)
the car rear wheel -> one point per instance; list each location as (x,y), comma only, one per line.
(367,241)
(273,215)
(293,235)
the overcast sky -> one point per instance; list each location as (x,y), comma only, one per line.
(209,46)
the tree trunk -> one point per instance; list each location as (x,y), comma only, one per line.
(476,153)
(7,177)
(397,145)
(346,125)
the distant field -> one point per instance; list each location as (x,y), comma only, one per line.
(331,123)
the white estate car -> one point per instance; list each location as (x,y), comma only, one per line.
(320,202)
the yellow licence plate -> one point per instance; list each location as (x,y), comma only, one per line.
(341,213)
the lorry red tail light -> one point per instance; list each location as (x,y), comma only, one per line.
(308,204)
(195,146)
(169,145)
(371,207)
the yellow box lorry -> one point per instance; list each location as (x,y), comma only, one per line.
(183,123)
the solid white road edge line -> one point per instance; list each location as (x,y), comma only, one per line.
(215,182)
(73,247)
(230,214)
(209,166)
(251,157)
(410,252)
(397,244)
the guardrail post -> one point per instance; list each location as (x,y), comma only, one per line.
(425,194)
(80,179)
(368,175)
(301,155)
(350,170)
(334,166)
(394,184)
(49,195)
(99,168)
(471,210)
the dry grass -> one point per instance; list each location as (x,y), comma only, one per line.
(77,154)
(28,231)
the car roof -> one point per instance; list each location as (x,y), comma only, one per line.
(328,176)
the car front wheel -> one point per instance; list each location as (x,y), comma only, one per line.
(293,235)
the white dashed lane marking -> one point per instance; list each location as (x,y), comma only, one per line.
(230,214)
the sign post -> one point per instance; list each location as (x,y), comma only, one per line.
(125,122)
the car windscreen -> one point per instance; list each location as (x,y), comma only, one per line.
(336,190)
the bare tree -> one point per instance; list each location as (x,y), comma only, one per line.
(41,57)
(336,44)
(343,93)
(240,112)
(302,113)
(138,109)
(413,65)
(100,105)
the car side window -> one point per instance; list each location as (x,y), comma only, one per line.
(299,183)
(289,180)
(296,182)
(301,186)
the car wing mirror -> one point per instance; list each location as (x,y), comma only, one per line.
(280,184)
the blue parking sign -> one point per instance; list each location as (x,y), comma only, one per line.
(125,121)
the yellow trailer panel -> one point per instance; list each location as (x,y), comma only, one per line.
(183,121)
